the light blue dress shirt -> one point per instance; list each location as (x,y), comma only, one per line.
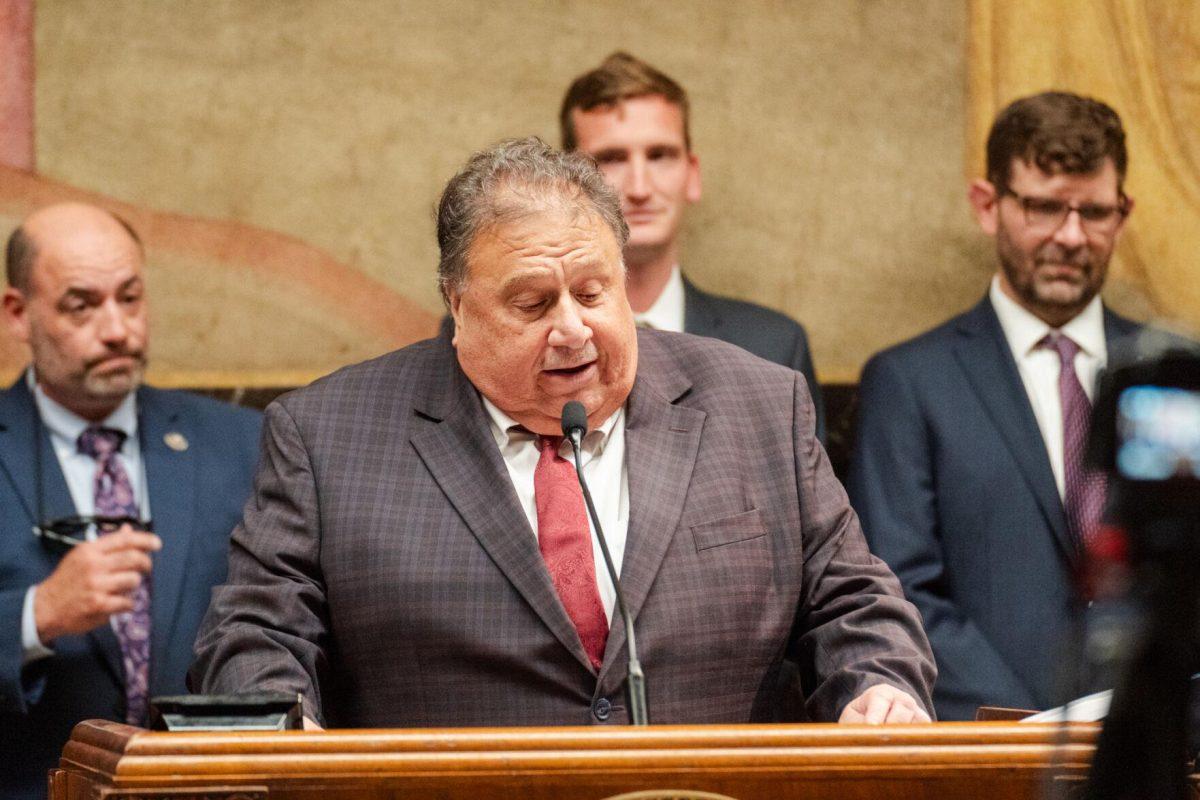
(79,470)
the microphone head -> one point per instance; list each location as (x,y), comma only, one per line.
(574,418)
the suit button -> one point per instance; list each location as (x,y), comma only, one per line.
(602,709)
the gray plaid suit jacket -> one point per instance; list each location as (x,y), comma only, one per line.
(385,570)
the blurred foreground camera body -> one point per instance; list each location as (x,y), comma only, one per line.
(1146,436)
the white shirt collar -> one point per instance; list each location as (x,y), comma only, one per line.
(667,312)
(510,434)
(64,423)
(1023,330)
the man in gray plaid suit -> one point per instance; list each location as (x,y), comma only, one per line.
(416,554)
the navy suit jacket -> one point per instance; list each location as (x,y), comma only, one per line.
(765,333)
(196,497)
(954,487)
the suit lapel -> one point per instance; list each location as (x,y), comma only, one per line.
(661,443)
(458,450)
(171,477)
(19,450)
(700,316)
(19,425)
(984,355)
(1116,330)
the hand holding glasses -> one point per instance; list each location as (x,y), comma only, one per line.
(95,578)
(67,532)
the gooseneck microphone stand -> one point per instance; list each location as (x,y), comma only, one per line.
(574,426)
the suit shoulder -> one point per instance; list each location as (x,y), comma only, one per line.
(396,373)
(203,409)
(703,357)
(744,312)
(928,347)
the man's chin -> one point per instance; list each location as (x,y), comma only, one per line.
(1062,301)
(648,241)
(112,385)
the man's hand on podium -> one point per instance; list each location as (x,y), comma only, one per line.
(310,725)
(881,705)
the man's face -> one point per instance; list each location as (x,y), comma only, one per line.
(639,145)
(1052,266)
(543,318)
(84,316)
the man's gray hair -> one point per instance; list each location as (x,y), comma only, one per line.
(507,182)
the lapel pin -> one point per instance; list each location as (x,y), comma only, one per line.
(176,441)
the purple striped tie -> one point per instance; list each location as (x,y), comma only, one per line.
(114,498)
(1084,488)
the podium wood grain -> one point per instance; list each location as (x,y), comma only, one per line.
(945,761)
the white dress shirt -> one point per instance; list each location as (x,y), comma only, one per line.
(667,312)
(603,457)
(79,470)
(1039,367)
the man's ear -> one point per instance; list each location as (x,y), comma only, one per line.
(1125,218)
(454,300)
(16,314)
(692,190)
(985,204)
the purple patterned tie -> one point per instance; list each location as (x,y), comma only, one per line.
(1084,488)
(114,498)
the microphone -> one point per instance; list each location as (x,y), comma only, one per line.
(574,426)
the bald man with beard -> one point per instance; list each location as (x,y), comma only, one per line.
(116,499)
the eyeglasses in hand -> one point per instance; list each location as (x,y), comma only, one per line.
(69,531)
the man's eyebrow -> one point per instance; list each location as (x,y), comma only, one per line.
(523,279)
(610,152)
(82,292)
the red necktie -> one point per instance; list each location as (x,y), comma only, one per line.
(1084,488)
(566,544)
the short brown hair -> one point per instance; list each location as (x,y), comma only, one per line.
(18,259)
(619,77)
(1058,132)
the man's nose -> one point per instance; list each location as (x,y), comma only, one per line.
(1070,233)
(568,329)
(112,324)
(637,179)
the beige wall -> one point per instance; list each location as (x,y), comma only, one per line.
(830,132)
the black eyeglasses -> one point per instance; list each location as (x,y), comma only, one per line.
(1050,214)
(69,531)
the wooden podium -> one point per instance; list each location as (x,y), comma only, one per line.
(946,761)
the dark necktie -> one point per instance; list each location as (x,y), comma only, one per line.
(566,544)
(114,498)
(1083,497)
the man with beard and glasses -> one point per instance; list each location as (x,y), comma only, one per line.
(967,472)
(98,605)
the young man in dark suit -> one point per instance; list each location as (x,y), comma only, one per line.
(99,613)
(633,120)
(967,472)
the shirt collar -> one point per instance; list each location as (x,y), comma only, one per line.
(1024,331)
(64,423)
(667,312)
(510,435)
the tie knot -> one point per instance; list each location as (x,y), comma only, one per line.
(549,443)
(100,443)
(1063,345)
